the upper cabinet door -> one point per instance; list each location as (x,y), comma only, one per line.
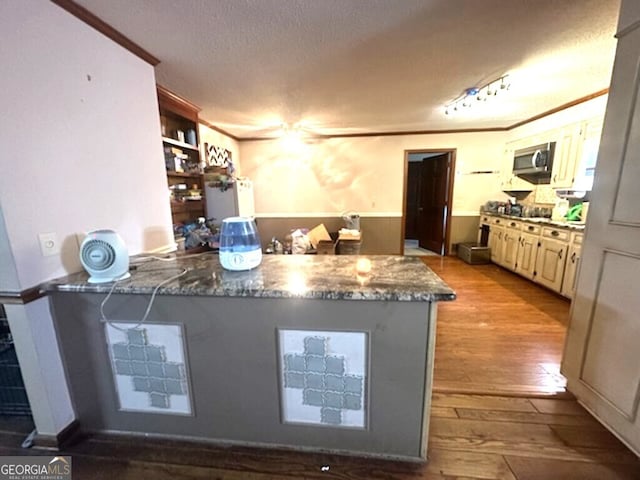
(588,156)
(566,156)
(601,360)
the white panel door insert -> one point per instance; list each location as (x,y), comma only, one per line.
(323,377)
(149,367)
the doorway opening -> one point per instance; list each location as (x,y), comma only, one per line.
(428,193)
(13,395)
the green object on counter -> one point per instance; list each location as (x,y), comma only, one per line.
(575,213)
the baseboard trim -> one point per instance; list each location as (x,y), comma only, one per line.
(65,437)
(506,392)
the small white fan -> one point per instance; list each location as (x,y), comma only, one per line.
(104,256)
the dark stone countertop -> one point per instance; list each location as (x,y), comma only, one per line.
(331,277)
(547,222)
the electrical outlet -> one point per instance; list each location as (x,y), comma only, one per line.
(49,244)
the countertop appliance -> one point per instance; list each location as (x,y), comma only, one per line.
(535,161)
(104,256)
(239,244)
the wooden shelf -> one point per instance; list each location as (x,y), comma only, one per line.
(177,114)
(183,174)
(180,144)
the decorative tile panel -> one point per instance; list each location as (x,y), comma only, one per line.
(323,377)
(148,365)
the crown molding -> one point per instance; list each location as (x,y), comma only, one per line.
(218,129)
(564,106)
(107,30)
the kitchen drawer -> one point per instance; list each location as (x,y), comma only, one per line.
(556,233)
(577,238)
(532,229)
(498,220)
(513,225)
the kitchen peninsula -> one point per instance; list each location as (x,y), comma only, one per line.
(311,352)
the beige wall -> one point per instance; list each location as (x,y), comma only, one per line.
(213,137)
(364,174)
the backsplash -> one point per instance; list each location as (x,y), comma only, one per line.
(544,194)
(540,196)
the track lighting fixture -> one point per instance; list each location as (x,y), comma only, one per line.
(474,95)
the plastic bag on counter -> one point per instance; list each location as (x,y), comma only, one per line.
(351,220)
(299,242)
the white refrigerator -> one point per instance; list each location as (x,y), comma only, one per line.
(236,201)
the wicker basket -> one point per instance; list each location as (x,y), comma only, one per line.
(326,247)
(349,247)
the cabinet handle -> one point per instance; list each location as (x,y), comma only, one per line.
(530,228)
(573,257)
(555,177)
(560,254)
(513,224)
(555,233)
(498,221)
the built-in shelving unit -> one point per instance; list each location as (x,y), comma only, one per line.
(179,124)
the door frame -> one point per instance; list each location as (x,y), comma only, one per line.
(451,174)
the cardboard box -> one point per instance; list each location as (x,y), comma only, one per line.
(318,234)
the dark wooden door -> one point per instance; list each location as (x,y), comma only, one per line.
(412,215)
(435,173)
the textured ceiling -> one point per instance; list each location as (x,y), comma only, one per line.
(352,66)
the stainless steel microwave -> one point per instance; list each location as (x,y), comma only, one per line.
(534,160)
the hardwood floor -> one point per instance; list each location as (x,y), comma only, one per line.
(502,335)
(493,415)
(472,437)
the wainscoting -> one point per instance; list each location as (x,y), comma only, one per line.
(380,235)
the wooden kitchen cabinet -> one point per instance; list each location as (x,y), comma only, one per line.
(546,254)
(571,270)
(510,244)
(551,258)
(566,157)
(509,181)
(526,257)
(495,243)
(571,148)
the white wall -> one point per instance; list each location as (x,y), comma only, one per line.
(81,139)
(365,174)
(8,274)
(81,150)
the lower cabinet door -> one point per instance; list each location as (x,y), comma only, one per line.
(526,257)
(509,249)
(495,243)
(550,261)
(570,277)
